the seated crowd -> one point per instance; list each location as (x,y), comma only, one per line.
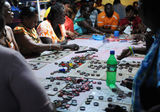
(61,23)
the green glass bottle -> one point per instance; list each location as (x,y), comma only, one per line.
(111,70)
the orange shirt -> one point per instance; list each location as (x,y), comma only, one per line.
(45,30)
(108,23)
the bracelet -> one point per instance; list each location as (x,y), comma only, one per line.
(131,49)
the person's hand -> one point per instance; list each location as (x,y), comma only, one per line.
(72,35)
(73,47)
(122,28)
(125,53)
(64,42)
(100,32)
(76,33)
(127,83)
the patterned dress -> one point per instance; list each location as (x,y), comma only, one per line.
(31,32)
(45,30)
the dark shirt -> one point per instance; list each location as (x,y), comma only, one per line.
(137,20)
(19,90)
(146,84)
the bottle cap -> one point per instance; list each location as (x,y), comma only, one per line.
(112,52)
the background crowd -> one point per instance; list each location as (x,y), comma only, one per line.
(32,32)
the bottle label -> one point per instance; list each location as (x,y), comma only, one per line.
(111,68)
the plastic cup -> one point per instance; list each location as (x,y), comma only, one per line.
(116,34)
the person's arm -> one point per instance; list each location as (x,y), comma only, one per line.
(89,27)
(31,46)
(140,50)
(71,35)
(121,29)
(26,42)
(127,52)
(106,30)
(70,46)
(29,94)
(122,25)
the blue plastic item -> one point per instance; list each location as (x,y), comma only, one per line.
(62,70)
(98,37)
(116,34)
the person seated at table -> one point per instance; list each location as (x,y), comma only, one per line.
(27,38)
(52,2)
(119,8)
(19,89)
(70,8)
(69,25)
(108,20)
(54,27)
(99,6)
(15,8)
(85,20)
(7,38)
(131,20)
(135,5)
(69,28)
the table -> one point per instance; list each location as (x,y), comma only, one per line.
(80,86)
